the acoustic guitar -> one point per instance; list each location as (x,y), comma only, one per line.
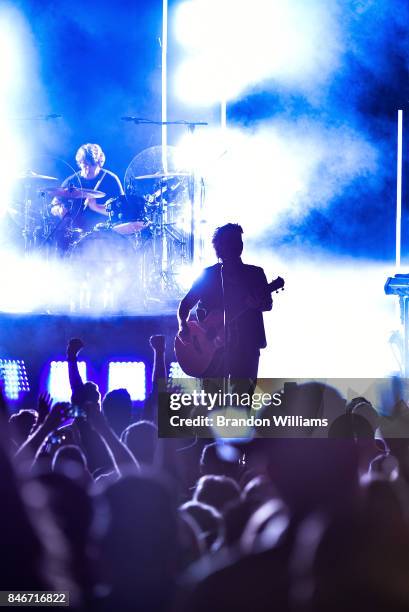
(195,352)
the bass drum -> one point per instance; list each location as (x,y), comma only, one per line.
(104,272)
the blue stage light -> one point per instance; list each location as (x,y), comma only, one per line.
(128,375)
(14,377)
(59,382)
(176,372)
(177,379)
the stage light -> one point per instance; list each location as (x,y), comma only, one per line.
(178,380)
(233,44)
(58,380)
(128,375)
(176,372)
(14,378)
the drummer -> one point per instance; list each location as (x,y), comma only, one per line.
(85,214)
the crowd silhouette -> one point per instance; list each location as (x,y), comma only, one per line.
(96,504)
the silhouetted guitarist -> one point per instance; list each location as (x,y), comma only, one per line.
(240,293)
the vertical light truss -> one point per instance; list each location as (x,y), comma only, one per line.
(399,190)
(164,85)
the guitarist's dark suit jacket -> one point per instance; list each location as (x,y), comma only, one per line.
(245,326)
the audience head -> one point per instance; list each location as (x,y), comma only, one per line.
(214,460)
(209,521)
(140,546)
(89,392)
(217,491)
(142,438)
(71,461)
(117,407)
(21,424)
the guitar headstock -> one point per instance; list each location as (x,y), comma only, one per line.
(277,284)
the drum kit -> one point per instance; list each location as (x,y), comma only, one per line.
(138,248)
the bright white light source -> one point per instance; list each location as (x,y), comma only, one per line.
(128,375)
(231,44)
(255,176)
(13,49)
(59,382)
(14,376)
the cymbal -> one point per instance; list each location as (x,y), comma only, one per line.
(33,176)
(164,176)
(74,193)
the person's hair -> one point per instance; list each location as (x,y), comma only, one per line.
(227,240)
(21,424)
(90,153)
(213,462)
(209,521)
(88,392)
(69,453)
(117,407)
(217,491)
(141,438)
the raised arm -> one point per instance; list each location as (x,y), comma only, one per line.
(54,420)
(74,347)
(158,345)
(120,455)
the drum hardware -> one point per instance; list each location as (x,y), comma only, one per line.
(33,220)
(164,176)
(152,199)
(29,175)
(168,192)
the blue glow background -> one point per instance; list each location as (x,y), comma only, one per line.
(98,61)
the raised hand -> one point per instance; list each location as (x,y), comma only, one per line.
(44,406)
(74,347)
(158,342)
(57,415)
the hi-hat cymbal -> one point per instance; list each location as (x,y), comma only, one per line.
(74,193)
(33,176)
(164,176)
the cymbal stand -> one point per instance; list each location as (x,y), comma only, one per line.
(159,237)
(26,228)
(111,213)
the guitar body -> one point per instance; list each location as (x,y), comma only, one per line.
(195,354)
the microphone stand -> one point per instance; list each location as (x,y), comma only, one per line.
(225,360)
